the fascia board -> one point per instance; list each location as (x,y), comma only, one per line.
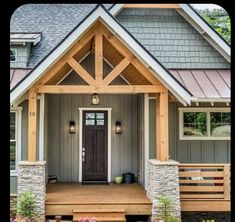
(211,33)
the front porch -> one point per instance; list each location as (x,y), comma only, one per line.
(63,198)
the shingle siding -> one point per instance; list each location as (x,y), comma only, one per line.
(171,39)
(22,56)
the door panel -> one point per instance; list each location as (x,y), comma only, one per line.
(94,160)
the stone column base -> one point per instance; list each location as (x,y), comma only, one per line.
(13,203)
(163,180)
(31,177)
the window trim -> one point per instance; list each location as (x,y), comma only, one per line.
(207,110)
(15,54)
(18,120)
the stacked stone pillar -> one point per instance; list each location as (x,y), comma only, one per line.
(163,180)
(31,177)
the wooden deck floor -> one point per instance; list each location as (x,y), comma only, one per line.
(63,198)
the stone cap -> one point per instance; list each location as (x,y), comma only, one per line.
(13,194)
(167,162)
(32,163)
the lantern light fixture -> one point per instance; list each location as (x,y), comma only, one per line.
(72,128)
(118,128)
(95,99)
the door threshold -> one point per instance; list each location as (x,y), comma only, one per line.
(95,183)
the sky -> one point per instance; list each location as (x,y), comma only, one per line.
(203,6)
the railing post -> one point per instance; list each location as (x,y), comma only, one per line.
(227,182)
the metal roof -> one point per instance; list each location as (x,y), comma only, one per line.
(16,75)
(205,84)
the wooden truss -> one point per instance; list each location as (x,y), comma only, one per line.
(98,40)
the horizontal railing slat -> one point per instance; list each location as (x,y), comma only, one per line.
(202,174)
(202,188)
(202,181)
(201,196)
(213,181)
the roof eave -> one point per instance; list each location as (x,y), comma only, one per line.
(211,99)
(25,40)
(205,30)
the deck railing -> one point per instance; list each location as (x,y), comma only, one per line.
(204,181)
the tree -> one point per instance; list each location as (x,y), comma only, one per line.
(219,20)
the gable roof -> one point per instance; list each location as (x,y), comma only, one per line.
(54,21)
(199,24)
(100,13)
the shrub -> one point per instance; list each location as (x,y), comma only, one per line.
(26,205)
(166,210)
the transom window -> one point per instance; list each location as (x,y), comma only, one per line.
(204,123)
(93,118)
(13,55)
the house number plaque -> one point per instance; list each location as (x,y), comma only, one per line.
(32,113)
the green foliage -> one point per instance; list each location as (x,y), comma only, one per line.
(166,210)
(26,205)
(219,20)
(195,123)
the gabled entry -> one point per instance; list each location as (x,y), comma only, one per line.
(95,146)
(127,59)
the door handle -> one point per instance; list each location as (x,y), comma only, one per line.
(83,154)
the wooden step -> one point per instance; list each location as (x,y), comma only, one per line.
(101,215)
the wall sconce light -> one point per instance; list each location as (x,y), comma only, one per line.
(118,128)
(72,129)
(95,99)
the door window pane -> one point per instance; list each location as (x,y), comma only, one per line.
(100,122)
(99,115)
(90,115)
(90,122)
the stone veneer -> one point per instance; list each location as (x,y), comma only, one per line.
(163,180)
(13,202)
(31,177)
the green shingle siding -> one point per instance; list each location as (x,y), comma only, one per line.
(171,39)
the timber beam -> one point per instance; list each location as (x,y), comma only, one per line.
(111,89)
(98,56)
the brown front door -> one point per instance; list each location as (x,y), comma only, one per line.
(94,147)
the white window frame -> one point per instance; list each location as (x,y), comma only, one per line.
(207,110)
(14,49)
(18,117)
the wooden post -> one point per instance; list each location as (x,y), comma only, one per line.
(158,127)
(32,121)
(98,56)
(227,182)
(162,126)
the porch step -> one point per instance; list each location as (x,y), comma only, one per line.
(101,215)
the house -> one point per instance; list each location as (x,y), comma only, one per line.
(98,91)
